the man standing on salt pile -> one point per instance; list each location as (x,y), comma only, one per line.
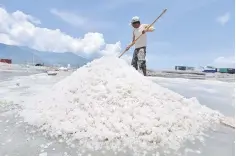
(139,56)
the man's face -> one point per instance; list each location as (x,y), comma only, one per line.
(136,24)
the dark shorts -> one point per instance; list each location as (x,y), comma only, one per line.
(139,58)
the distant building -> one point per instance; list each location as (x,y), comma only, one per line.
(226,70)
(222,70)
(184,68)
(231,70)
(210,69)
(6,61)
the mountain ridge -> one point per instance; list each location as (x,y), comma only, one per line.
(24,55)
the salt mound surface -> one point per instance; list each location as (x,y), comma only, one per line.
(107,103)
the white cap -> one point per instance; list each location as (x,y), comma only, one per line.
(135,19)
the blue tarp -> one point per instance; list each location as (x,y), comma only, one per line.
(210,71)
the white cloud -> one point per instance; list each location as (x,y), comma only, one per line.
(224,62)
(70,18)
(4,38)
(111,49)
(223,19)
(80,21)
(18,28)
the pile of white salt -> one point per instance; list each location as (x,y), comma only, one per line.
(107,103)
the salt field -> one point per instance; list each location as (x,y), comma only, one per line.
(107,108)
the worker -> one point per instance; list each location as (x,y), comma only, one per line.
(139,55)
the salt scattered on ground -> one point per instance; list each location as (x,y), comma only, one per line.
(108,104)
(43,154)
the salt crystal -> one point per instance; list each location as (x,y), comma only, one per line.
(60,140)
(45,146)
(198,151)
(9,140)
(43,154)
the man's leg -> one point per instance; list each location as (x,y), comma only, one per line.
(134,62)
(142,60)
(144,68)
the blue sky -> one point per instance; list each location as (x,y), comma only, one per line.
(191,33)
